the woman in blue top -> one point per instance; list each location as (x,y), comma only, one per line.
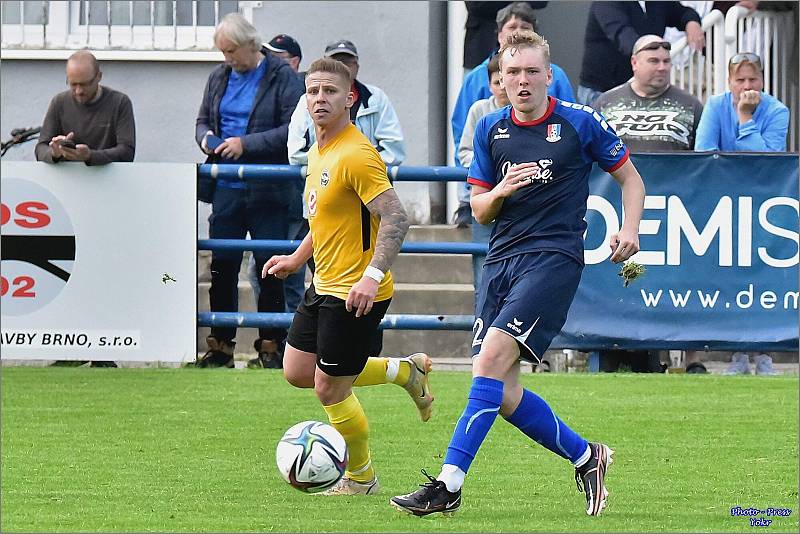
(744,119)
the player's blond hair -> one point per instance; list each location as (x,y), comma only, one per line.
(332,66)
(524,39)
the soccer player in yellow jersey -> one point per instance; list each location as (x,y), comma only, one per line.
(357,225)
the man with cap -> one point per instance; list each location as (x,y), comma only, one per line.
(648,112)
(372,113)
(287,48)
(284,46)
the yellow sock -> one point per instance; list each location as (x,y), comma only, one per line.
(374,373)
(377,371)
(348,418)
(403,374)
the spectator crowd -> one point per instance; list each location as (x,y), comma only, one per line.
(254,110)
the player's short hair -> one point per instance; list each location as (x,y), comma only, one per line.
(235,28)
(332,66)
(84,55)
(521,10)
(524,39)
(744,58)
(494,65)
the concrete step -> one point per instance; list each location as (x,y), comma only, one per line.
(438,233)
(433,299)
(409,268)
(436,343)
(450,299)
(433,269)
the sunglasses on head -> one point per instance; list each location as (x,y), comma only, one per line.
(655,45)
(748,57)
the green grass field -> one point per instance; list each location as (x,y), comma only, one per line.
(171,450)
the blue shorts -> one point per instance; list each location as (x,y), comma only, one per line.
(528,297)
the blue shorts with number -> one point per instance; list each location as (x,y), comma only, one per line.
(528,297)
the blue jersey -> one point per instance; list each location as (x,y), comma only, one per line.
(547,215)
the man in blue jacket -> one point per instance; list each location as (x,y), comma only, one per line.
(512,18)
(744,119)
(247,104)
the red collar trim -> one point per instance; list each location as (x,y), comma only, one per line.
(550,107)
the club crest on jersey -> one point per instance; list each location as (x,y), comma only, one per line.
(325,178)
(553,133)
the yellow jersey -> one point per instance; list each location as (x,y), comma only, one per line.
(342,178)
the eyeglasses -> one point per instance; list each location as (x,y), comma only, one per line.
(655,45)
(84,84)
(748,57)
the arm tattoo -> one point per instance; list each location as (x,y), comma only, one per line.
(391,232)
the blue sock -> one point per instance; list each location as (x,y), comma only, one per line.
(483,404)
(536,419)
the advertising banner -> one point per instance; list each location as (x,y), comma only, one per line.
(719,241)
(98,263)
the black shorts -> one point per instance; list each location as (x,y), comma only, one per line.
(342,342)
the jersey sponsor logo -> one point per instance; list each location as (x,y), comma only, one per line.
(312,202)
(325,178)
(616,149)
(542,175)
(502,133)
(650,124)
(553,133)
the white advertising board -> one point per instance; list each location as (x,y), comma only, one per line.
(98,263)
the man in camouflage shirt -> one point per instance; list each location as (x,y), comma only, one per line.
(648,112)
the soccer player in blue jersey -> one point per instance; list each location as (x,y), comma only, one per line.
(529,175)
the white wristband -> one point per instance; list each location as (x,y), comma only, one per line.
(374,273)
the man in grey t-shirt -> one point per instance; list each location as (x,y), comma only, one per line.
(89,123)
(650,115)
(648,112)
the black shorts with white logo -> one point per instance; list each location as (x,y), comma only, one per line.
(342,342)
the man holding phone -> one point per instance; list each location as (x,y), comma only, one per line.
(244,118)
(89,122)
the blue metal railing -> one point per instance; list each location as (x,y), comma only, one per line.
(284,320)
(280,246)
(276,246)
(292,172)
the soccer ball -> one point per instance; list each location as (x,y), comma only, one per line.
(311,456)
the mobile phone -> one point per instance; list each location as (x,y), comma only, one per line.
(67,143)
(212,141)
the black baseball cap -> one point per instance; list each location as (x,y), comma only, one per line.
(285,43)
(342,46)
